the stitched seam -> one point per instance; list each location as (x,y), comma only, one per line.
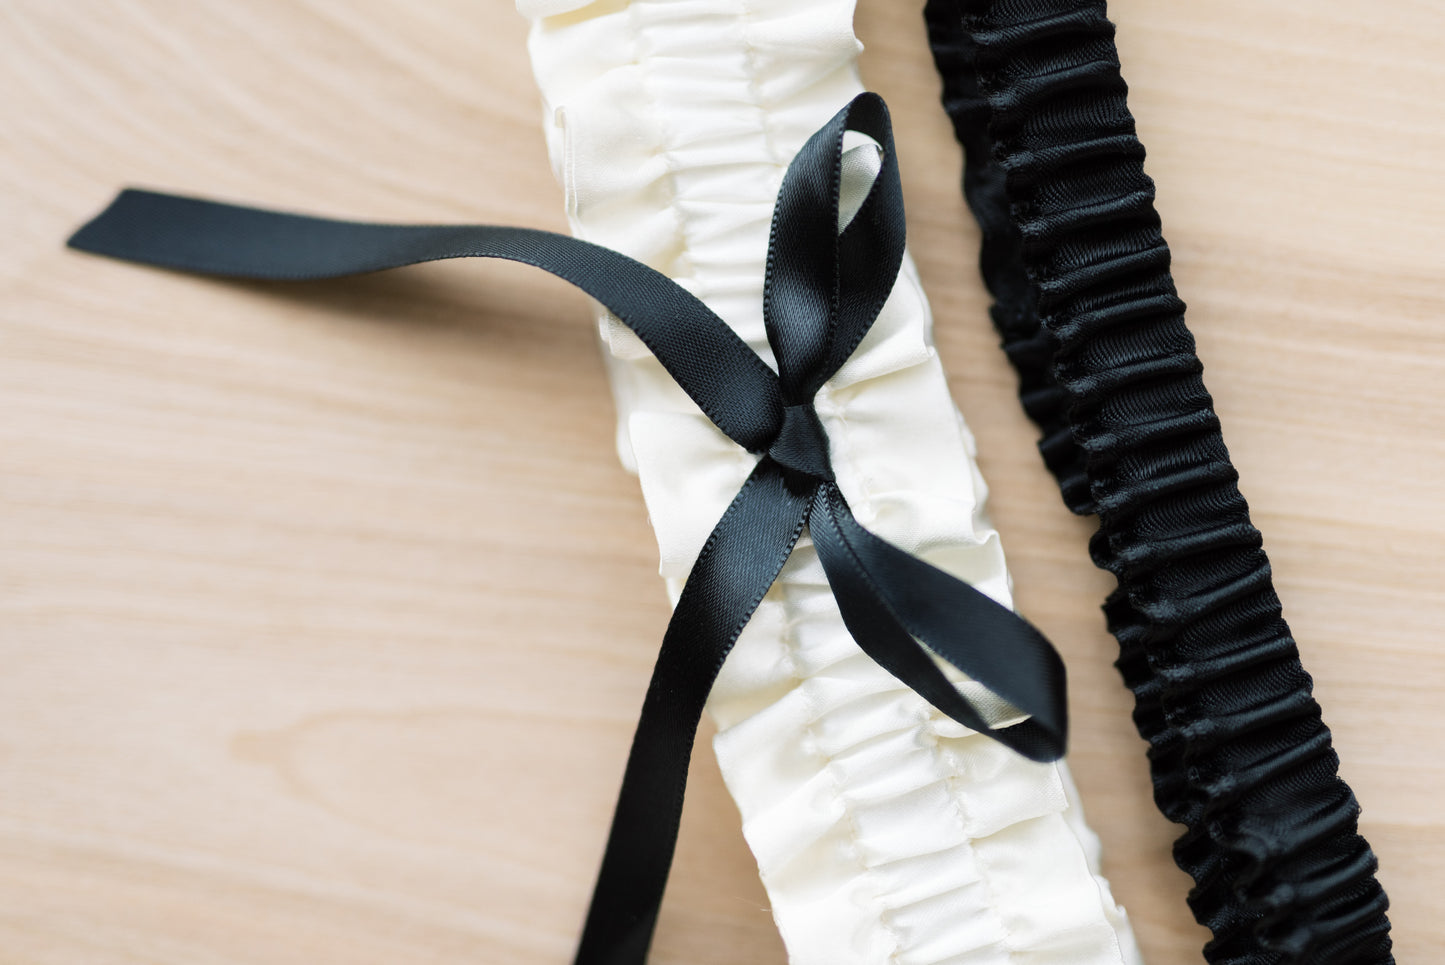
(829,767)
(785,587)
(682,233)
(949,768)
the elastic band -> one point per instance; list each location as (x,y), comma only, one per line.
(1074,255)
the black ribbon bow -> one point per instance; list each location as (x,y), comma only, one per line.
(824,289)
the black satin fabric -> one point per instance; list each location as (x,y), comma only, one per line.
(1074,255)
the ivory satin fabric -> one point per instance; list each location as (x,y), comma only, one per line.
(884,832)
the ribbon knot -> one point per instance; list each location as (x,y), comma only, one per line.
(802,444)
(825,285)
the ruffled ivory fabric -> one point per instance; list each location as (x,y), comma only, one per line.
(883,831)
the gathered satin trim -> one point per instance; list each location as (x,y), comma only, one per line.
(1074,254)
(883,832)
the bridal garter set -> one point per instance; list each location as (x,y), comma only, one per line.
(890,730)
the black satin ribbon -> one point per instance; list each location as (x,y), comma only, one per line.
(824,289)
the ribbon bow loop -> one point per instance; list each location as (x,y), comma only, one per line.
(827,280)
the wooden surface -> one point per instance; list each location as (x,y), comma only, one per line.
(325,614)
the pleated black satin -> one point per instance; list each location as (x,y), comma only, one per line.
(1073,253)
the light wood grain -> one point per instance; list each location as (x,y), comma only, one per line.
(325,614)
